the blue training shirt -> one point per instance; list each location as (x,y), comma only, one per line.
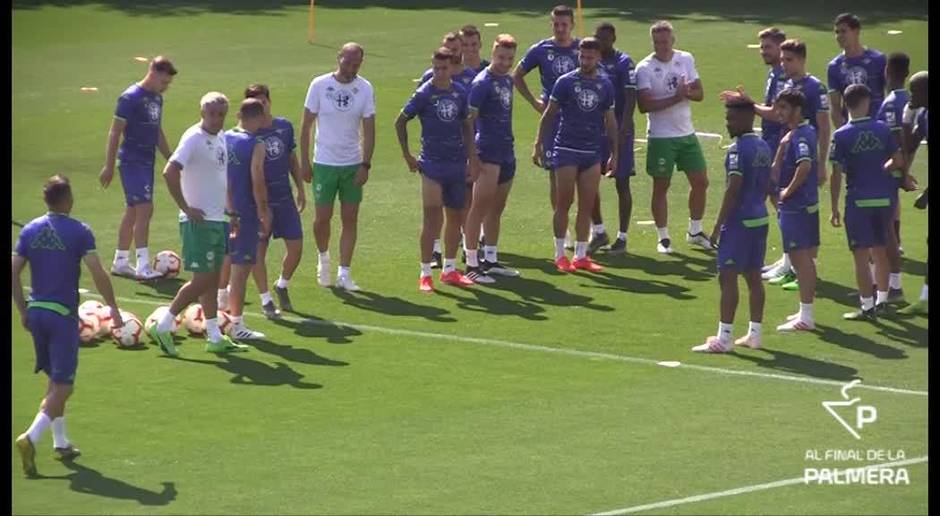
(552,60)
(583,103)
(802,147)
(278,145)
(142,110)
(750,157)
(442,113)
(241,145)
(491,96)
(861,147)
(867,69)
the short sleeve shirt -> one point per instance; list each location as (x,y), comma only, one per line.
(340,109)
(203,158)
(662,79)
(142,111)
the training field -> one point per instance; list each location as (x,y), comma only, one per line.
(540,394)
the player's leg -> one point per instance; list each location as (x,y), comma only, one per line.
(588,182)
(143,214)
(217,342)
(294,249)
(565,181)
(452,179)
(599,236)
(893,250)
(325,188)
(121,265)
(259,272)
(756,245)
(433,221)
(243,252)
(350,196)
(660,161)
(484,191)
(624,211)
(800,232)
(492,223)
(224,286)
(691,160)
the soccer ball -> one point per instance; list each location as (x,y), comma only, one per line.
(167,263)
(88,327)
(225,321)
(194,319)
(128,335)
(157,315)
(100,311)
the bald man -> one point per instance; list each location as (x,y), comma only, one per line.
(343,106)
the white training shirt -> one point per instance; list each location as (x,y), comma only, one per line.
(340,109)
(662,79)
(204,162)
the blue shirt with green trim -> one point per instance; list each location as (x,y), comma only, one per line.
(54,246)
(241,145)
(802,147)
(861,147)
(750,157)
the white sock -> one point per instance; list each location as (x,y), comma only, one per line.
(40,423)
(59,439)
(472,260)
(342,272)
(489,253)
(894,280)
(806,312)
(324,257)
(222,293)
(237,319)
(425,270)
(266,298)
(621,235)
(143,256)
(867,303)
(559,248)
(580,250)
(724,332)
(450,265)
(437,245)
(121,256)
(695,226)
(663,233)
(598,229)
(282,283)
(754,329)
(882,296)
(212,330)
(923,293)
(166,322)
(786,262)
(567,236)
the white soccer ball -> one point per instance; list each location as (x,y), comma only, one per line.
(167,263)
(128,335)
(100,311)
(157,315)
(194,319)
(87,327)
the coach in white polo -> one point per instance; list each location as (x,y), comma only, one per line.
(343,106)
(666,83)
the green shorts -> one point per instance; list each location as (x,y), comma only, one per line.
(328,180)
(204,245)
(664,154)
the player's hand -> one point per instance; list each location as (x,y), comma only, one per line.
(234,226)
(921,202)
(537,154)
(195,214)
(909,184)
(682,90)
(611,167)
(301,200)
(784,194)
(24,319)
(265,216)
(362,175)
(116,320)
(539,106)
(412,162)
(836,219)
(107,174)
(306,172)
(713,238)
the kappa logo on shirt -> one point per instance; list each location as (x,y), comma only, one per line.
(867,141)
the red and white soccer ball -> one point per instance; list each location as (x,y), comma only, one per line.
(225,321)
(194,319)
(128,335)
(157,315)
(167,263)
(87,327)
(100,311)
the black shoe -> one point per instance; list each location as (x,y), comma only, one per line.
(497,269)
(599,240)
(882,310)
(67,454)
(895,296)
(664,246)
(436,260)
(477,275)
(283,299)
(862,315)
(271,311)
(619,246)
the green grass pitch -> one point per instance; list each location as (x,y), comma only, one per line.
(538,395)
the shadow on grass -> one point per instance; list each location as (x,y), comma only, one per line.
(251,372)
(797,364)
(608,281)
(89,481)
(699,267)
(902,330)
(858,343)
(394,306)
(299,355)
(839,294)
(913,267)
(479,300)
(161,289)
(319,328)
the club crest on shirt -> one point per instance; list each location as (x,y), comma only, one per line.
(341,99)
(220,156)
(672,81)
(504,95)
(561,64)
(153,111)
(447,109)
(856,75)
(273,147)
(588,99)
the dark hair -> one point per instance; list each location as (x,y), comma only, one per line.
(899,65)
(776,35)
(589,43)
(740,105)
(451,36)
(794,45)
(468,31)
(563,10)
(605,26)
(793,97)
(257,90)
(56,190)
(446,54)
(162,65)
(849,19)
(855,94)
(250,108)
(505,41)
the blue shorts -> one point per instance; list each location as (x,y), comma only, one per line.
(243,247)
(286,221)
(55,338)
(625,163)
(868,227)
(799,228)
(742,248)
(506,161)
(137,180)
(452,176)
(548,144)
(583,160)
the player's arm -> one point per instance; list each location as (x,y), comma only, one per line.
(835,108)
(803,169)
(822,142)
(610,123)
(401,129)
(19,300)
(368,148)
(259,187)
(103,284)
(776,166)
(114,139)
(306,129)
(545,126)
(835,188)
(696,92)
(171,174)
(648,104)
(896,162)
(518,79)
(732,194)
(626,123)
(469,143)
(163,145)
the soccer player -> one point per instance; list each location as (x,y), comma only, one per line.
(248,192)
(584,101)
(794,176)
(620,70)
(856,64)
(54,245)
(891,113)
(466,44)
(742,227)
(280,166)
(553,57)
(919,97)
(866,152)
(342,103)
(137,126)
(666,83)
(490,110)
(196,176)
(447,142)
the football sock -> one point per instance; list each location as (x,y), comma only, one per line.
(450,265)
(882,296)
(437,246)
(212,330)
(724,332)
(166,322)
(59,439)
(621,235)
(867,303)
(695,226)
(266,298)
(894,280)
(472,260)
(143,256)
(121,256)
(282,283)
(923,293)
(489,253)
(598,229)
(40,423)
(580,250)
(559,248)
(425,270)
(663,233)
(342,272)
(806,312)
(754,329)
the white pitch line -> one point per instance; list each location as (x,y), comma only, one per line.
(746,489)
(561,351)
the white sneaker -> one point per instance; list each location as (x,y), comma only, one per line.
(749,341)
(795,325)
(713,345)
(664,246)
(241,332)
(793,316)
(123,269)
(699,239)
(323,274)
(777,271)
(772,266)
(146,272)
(346,283)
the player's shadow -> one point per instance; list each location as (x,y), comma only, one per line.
(529,263)
(89,481)
(394,306)
(318,328)
(608,281)
(542,292)
(913,267)
(299,355)
(482,301)
(251,372)
(839,294)
(902,331)
(692,268)
(856,342)
(797,364)
(160,289)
